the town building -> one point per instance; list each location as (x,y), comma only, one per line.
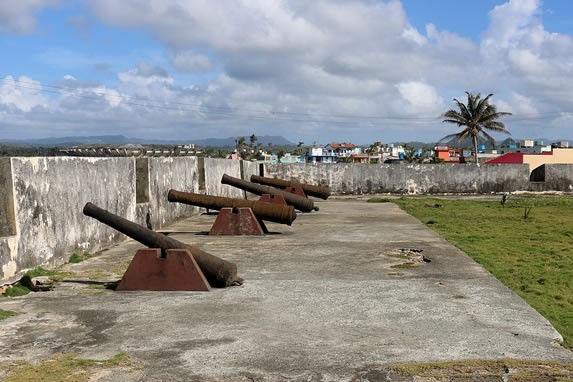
(536,160)
(447,153)
(320,154)
(343,150)
(332,153)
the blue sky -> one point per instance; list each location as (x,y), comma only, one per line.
(323,71)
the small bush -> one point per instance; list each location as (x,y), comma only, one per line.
(37,272)
(16,290)
(54,275)
(379,200)
(6,313)
(78,258)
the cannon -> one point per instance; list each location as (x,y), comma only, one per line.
(220,273)
(264,211)
(298,202)
(309,189)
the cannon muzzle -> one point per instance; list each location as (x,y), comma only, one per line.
(298,202)
(309,189)
(220,273)
(265,211)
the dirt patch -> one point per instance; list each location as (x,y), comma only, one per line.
(508,370)
(406,258)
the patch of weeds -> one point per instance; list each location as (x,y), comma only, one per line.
(404,265)
(7,313)
(97,274)
(379,200)
(62,367)
(487,370)
(97,286)
(16,290)
(121,267)
(79,257)
(54,275)
(459,296)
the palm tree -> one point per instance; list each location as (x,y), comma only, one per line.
(253,141)
(477,116)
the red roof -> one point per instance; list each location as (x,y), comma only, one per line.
(342,145)
(509,158)
(513,158)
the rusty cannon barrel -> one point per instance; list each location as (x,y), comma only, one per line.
(266,211)
(220,273)
(298,202)
(309,189)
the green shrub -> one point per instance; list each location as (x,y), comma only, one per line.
(78,258)
(16,290)
(6,313)
(379,200)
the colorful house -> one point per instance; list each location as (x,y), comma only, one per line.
(535,160)
(320,154)
(447,153)
(343,150)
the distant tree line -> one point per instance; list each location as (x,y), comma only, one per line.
(28,151)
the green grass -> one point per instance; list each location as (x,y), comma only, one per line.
(488,370)
(16,290)
(7,313)
(533,256)
(20,288)
(53,274)
(380,200)
(79,257)
(62,367)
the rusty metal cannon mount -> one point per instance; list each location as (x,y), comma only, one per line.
(174,270)
(238,221)
(309,189)
(218,272)
(298,202)
(265,211)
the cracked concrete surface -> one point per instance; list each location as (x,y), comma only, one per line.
(323,299)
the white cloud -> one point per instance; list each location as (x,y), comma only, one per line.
(519,104)
(420,97)
(510,23)
(20,16)
(187,61)
(298,66)
(23,94)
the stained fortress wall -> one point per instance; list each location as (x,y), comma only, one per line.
(41,199)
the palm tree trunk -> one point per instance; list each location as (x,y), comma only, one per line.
(475,141)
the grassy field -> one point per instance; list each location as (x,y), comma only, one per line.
(61,368)
(527,244)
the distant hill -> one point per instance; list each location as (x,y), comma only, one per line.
(467,143)
(121,140)
(70,141)
(230,142)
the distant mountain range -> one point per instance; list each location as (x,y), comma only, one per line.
(468,141)
(218,142)
(121,140)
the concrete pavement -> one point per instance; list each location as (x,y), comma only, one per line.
(340,292)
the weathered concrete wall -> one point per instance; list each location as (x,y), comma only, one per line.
(214,170)
(558,177)
(46,195)
(406,178)
(49,195)
(180,174)
(250,168)
(7,218)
